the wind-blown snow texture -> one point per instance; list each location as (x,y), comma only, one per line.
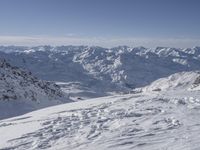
(20,92)
(150,120)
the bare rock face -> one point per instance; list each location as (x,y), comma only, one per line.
(197,81)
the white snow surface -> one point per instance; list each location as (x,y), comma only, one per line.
(148,120)
(177,81)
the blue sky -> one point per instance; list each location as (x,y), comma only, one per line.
(106,23)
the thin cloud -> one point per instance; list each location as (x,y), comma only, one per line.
(98,41)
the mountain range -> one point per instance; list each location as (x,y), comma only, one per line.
(102,71)
(121,98)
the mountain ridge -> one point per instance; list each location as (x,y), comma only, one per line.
(21,92)
(119,69)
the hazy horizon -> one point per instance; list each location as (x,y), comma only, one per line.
(101,23)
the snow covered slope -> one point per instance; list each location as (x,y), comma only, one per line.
(177,81)
(102,71)
(21,92)
(151,120)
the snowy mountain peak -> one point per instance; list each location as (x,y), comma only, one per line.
(102,70)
